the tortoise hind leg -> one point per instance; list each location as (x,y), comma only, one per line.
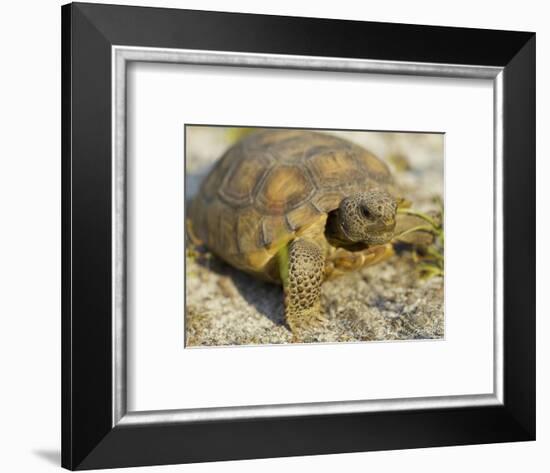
(302,277)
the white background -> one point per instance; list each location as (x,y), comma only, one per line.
(163,97)
(30,236)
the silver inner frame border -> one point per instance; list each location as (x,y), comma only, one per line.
(120,57)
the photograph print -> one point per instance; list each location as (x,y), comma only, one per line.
(308,235)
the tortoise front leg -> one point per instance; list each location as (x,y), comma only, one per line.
(342,261)
(302,277)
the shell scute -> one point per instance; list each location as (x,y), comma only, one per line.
(285,188)
(220,228)
(305,213)
(372,167)
(327,201)
(212,183)
(331,168)
(241,180)
(249,228)
(228,238)
(275,231)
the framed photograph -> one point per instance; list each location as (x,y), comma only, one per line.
(293,236)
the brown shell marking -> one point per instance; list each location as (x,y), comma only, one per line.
(248,231)
(305,213)
(253,253)
(221,231)
(265,137)
(242,178)
(274,231)
(284,189)
(332,168)
(327,201)
(372,167)
(212,183)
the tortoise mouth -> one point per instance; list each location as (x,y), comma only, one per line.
(380,238)
(375,233)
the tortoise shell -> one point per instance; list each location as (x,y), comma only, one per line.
(273,184)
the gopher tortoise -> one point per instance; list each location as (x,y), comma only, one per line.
(297,207)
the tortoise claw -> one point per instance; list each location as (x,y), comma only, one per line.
(306,324)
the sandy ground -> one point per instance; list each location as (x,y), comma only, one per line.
(385,302)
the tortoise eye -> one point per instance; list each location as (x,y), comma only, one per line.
(366,212)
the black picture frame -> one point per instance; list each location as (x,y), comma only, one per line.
(89,439)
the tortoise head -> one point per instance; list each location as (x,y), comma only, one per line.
(365,218)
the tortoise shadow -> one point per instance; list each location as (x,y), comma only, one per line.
(265,297)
